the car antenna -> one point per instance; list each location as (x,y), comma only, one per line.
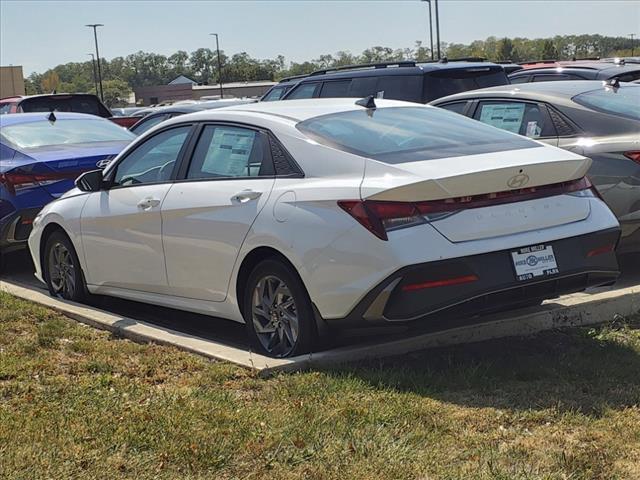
(52,117)
(612,83)
(367,102)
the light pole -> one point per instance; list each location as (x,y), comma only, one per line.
(437,27)
(632,35)
(95,80)
(95,37)
(219,64)
(430,27)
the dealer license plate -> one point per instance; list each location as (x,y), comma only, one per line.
(536,261)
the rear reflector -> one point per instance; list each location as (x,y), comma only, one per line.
(600,250)
(379,217)
(440,283)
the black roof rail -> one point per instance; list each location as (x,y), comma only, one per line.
(402,63)
(293,77)
(531,62)
(462,59)
(575,59)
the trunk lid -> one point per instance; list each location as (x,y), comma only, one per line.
(55,168)
(482,174)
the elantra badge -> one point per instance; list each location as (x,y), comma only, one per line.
(518,181)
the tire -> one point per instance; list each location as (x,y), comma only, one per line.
(277,311)
(62,270)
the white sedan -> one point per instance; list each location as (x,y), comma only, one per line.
(294,216)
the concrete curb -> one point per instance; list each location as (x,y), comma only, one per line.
(570,311)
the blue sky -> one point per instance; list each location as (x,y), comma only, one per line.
(42,34)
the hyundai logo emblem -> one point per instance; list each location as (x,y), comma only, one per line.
(103,163)
(518,181)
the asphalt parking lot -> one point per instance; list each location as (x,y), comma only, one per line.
(18,269)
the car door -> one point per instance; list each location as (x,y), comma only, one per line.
(530,119)
(121,226)
(208,213)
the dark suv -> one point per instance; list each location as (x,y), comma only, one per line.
(409,81)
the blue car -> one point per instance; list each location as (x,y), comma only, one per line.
(41,154)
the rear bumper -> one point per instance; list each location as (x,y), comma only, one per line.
(15,229)
(496,287)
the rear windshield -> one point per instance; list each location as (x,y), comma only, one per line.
(71,103)
(447,82)
(64,132)
(409,134)
(624,101)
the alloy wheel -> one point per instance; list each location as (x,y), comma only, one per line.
(62,271)
(275,316)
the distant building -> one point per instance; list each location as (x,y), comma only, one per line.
(11,81)
(183,88)
(182,80)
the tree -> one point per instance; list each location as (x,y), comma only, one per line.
(549,51)
(116,93)
(505,50)
(50,81)
(144,68)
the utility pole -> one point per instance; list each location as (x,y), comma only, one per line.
(219,64)
(632,35)
(438,27)
(95,79)
(430,27)
(95,37)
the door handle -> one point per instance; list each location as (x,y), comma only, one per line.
(148,203)
(246,196)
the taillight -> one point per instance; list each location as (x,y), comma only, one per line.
(17,180)
(633,155)
(379,217)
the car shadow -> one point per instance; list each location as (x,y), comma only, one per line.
(585,369)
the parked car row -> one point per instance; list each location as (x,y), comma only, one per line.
(347,204)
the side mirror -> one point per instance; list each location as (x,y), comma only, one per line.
(90,181)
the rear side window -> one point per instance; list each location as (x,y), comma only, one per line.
(224,152)
(408,134)
(400,87)
(552,77)
(519,79)
(305,90)
(363,86)
(5,108)
(629,77)
(335,89)
(146,124)
(622,101)
(457,107)
(524,118)
(447,82)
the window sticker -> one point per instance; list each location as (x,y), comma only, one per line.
(229,152)
(505,116)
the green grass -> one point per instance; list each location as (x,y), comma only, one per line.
(80,403)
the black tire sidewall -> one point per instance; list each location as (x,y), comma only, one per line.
(306,319)
(80,293)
